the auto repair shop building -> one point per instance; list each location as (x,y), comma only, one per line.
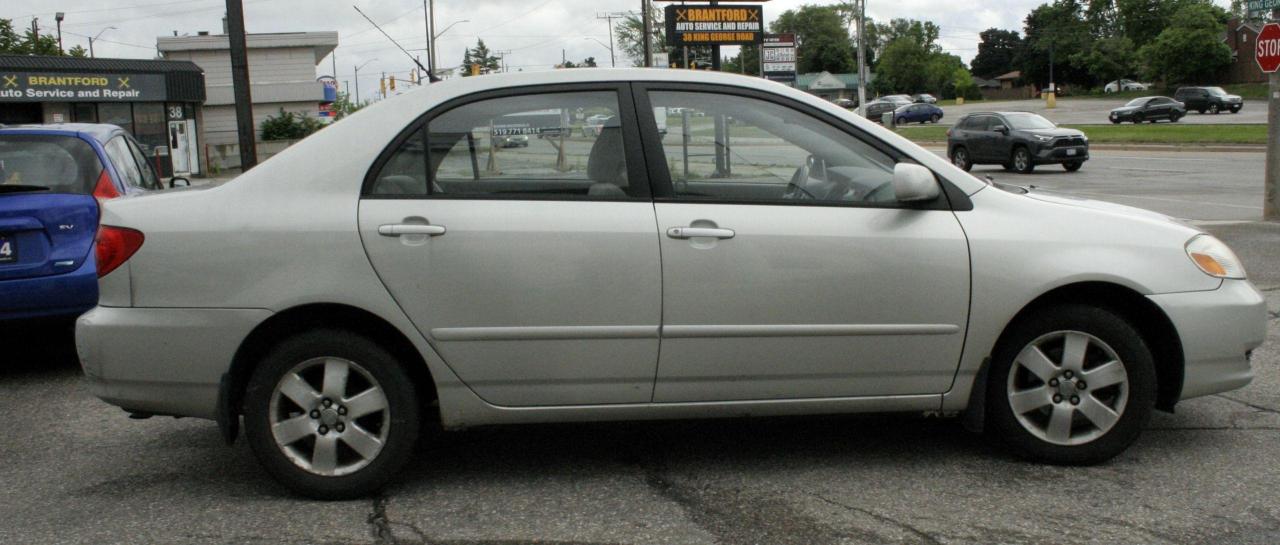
(158,101)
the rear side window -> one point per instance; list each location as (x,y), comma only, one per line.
(64,164)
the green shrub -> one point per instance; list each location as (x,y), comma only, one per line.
(289,126)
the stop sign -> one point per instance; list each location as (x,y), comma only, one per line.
(1268,48)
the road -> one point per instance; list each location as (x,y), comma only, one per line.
(79,471)
(1093,111)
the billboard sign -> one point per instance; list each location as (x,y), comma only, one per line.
(778,57)
(714,25)
(81,87)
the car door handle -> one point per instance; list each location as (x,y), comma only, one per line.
(397,229)
(690,232)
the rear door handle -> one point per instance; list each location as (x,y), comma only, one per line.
(397,229)
(690,232)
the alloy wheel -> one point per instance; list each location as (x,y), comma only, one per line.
(1021,160)
(1068,388)
(335,429)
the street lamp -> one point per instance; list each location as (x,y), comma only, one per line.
(612,63)
(95,37)
(59,17)
(357,78)
(431,47)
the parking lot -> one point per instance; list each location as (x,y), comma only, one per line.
(77,470)
(1092,111)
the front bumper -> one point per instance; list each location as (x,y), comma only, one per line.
(161,360)
(1218,330)
(1048,155)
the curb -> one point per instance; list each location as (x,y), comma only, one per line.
(1248,148)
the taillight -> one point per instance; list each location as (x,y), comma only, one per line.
(115,245)
(104,189)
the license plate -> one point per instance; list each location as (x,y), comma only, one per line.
(8,249)
(1071,152)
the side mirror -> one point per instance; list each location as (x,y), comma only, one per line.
(1002,129)
(912,183)
(173,182)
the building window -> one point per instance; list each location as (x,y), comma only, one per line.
(116,113)
(84,113)
(149,126)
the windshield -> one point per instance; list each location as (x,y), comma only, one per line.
(1216,91)
(1024,122)
(1136,102)
(64,164)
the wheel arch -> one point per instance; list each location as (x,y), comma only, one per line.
(1157,331)
(306,318)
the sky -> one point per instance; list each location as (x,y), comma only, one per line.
(535,32)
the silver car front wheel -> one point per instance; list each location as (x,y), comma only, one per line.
(1068,388)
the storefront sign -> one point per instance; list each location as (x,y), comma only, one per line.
(778,57)
(83,87)
(714,25)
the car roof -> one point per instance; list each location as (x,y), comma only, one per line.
(101,132)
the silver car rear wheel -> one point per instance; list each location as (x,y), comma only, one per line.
(329,416)
(1068,388)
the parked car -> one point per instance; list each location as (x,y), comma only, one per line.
(1017,141)
(876,109)
(1149,109)
(925,98)
(1124,85)
(1208,99)
(845,103)
(512,141)
(339,295)
(917,113)
(595,124)
(52,179)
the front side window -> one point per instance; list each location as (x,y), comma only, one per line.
(145,166)
(126,166)
(733,148)
(548,145)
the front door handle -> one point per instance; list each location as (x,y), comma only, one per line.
(397,229)
(691,232)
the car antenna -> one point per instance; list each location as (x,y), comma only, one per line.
(430,77)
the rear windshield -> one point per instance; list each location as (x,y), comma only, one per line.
(63,164)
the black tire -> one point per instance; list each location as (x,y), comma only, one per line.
(934,119)
(1235,110)
(401,405)
(1214,109)
(1103,324)
(1021,160)
(1072,166)
(960,158)
(1138,118)
(1201,111)
(901,121)
(1174,117)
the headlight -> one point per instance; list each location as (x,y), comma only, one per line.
(1043,138)
(1214,258)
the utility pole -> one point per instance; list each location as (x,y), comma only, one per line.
(502,57)
(610,17)
(59,17)
(862,57)
(35,30)
(240,85)
(715,49)
(1271,176)
(648,33)
(427,19)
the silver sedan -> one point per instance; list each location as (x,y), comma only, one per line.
(775,255)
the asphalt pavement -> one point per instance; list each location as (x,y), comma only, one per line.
(1094,111)
(76,470)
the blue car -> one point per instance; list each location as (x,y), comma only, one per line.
(52,178)
(917,113)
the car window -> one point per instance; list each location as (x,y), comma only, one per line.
(1029,121)
(64,164)
(573,147)
(126,166)
(149,178)
(765,152)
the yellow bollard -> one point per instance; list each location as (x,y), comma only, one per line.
(1050,101)
(959,101)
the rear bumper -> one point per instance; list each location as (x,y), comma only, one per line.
(62,295)
(1218,330)
(161,360)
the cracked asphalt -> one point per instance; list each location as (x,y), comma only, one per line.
(76,470)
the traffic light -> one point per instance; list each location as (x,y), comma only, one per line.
(393,83)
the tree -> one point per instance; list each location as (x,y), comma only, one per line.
(343,106)
(1191,48)
(589,62)
(630,35)
(902,67)
(1109,59)
(824,43)
(747,61)
(1053,33)
(996,53)
(1103,19)
(13,43)
(1143,20)
(78,51)
(480,55)
(962,80)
